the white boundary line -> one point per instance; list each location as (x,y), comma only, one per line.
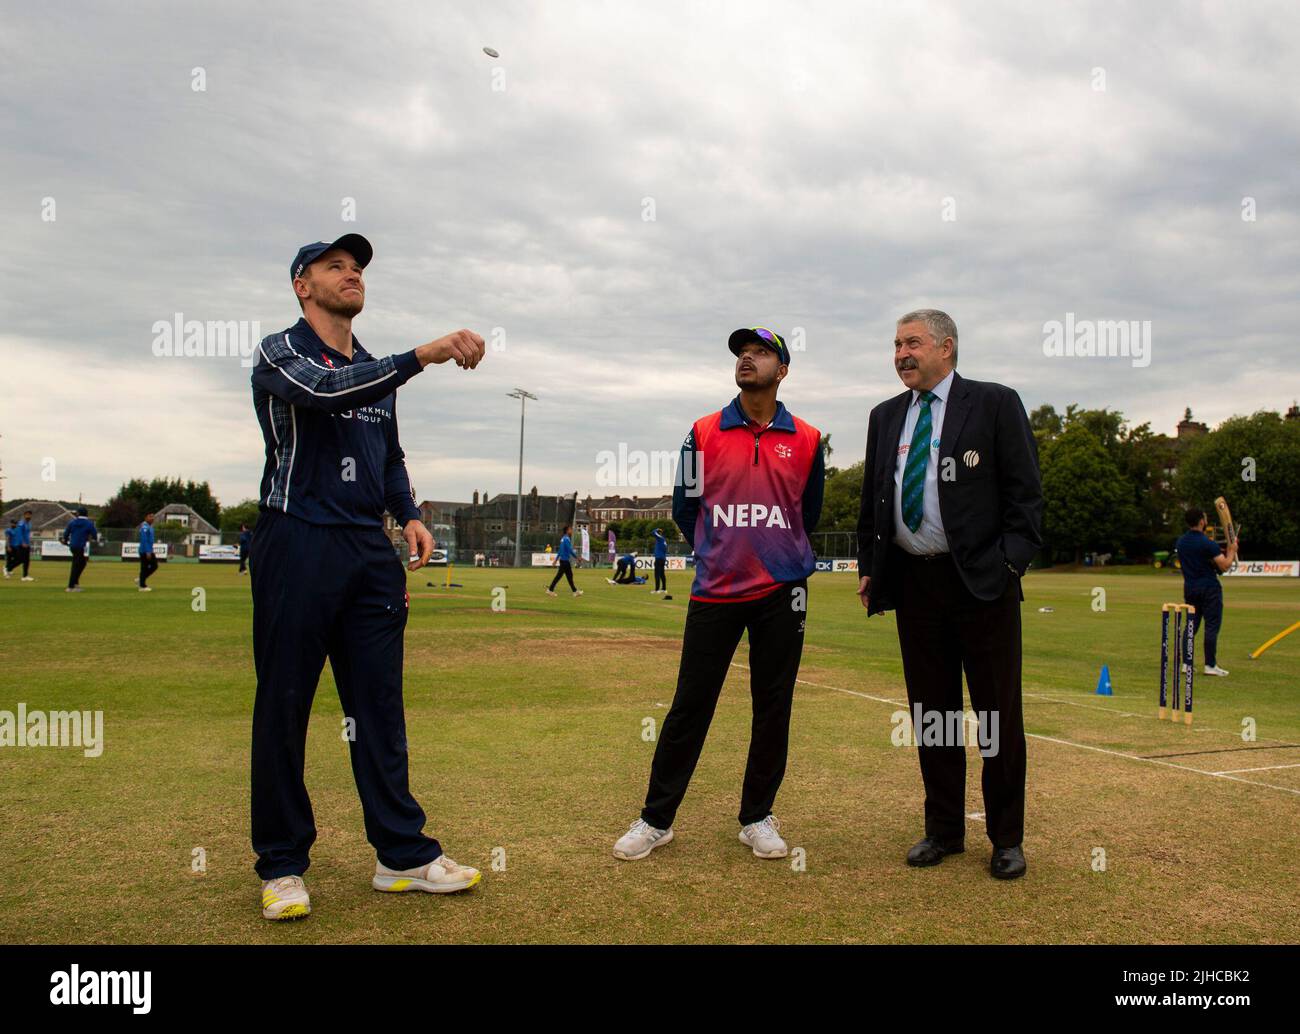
(1265,768)
(1071,743)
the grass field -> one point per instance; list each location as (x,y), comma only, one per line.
(525,730)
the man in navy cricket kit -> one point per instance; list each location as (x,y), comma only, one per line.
(77,536)
(148,562)
(325,580)
(749,489)
(245,540)
(1202,561)
(661,563)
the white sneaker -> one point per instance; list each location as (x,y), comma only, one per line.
(550,592)
(6,574)
(764,838)
(28,578)
(577,592)
(640,839)
(146,589)
(1214,670)
(611,581)
(285,898)
(440,876)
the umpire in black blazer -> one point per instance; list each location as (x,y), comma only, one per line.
(950,520)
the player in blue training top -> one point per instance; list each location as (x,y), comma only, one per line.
(77,537)
(564,561)
(148,562)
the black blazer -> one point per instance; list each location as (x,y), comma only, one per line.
(991,500)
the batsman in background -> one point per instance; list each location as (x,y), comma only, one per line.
(1202,561)
(325,581)
(749,489)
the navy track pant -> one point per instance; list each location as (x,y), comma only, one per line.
(340,593)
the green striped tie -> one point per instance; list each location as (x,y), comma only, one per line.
(914,470)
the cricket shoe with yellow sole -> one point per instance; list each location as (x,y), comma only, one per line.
(285,898)
(440,876)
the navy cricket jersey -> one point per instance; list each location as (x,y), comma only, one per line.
(1196,553)
(330,426)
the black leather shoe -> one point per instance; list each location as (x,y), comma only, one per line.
(931,851)
(1007,863)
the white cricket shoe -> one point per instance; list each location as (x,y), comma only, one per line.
(640,839)
(764,839)
(28,578)
(550,592)
(6,574)
(146,589)
(611,581)
(1214,669)
(285,898)
(440,876)
(577,592)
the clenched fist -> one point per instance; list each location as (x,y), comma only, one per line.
(464,346)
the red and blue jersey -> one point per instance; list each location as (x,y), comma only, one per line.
(746,498)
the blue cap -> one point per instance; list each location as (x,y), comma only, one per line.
(765,337)
(353,243)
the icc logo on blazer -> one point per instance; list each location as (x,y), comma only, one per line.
(971,458)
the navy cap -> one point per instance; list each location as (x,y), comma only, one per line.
(353,243)
(765,337)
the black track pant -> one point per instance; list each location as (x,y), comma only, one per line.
(148,565)
(337,592)
(943,630)
(1209,612)
(565,571)
(775,624)
(661,580)
(78,565)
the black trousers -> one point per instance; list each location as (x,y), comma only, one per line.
(25,555)
(243,558)
(775,624)
(1209,611)
(565,571)
(148,565)
(625,573)
(339,593)
(661,580)
(943,630)
(78,565)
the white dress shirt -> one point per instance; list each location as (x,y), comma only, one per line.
(929,537)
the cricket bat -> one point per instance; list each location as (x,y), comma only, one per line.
(1225,520)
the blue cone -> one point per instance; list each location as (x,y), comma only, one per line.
(1103,682)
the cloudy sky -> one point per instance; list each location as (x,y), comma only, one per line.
(621,188)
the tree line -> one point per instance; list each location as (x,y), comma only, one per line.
(1112,487)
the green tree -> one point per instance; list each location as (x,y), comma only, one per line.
(841,499)
(241,513)
(138,497)
(1254,463)
(1083,493)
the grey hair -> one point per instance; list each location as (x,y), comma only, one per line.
(939,324)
